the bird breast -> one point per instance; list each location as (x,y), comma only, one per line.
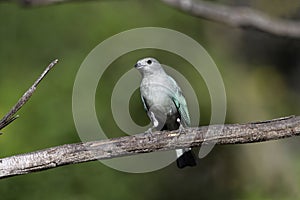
(158,97)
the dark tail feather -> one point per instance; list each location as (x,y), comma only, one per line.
(186,159)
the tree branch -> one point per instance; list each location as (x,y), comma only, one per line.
(48,2)
(41,2)
(158,141)
(10,116)
(238,17)
(242,17)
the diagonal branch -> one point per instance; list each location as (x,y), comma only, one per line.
(158,141)
(238,17)
(10,116)
(242,17)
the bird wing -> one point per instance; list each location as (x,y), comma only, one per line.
(180,103)
(146,106)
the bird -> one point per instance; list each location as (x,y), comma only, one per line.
(165,104)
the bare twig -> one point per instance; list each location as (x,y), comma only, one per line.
(48,2)
(243,17)
(158,141)
(238,17)
(9,117)
(41,2)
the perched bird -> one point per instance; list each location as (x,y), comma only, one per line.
(165,104)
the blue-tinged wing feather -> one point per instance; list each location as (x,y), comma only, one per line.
(180,104)
(146,107)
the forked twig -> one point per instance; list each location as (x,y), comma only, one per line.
(10,116)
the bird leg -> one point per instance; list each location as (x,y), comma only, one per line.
(149,131)
(181,128)
(154,122)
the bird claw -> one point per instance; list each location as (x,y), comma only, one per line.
(181,130)
(148,132)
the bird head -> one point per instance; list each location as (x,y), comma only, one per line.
(149,66)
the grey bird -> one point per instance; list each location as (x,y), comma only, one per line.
(165,104)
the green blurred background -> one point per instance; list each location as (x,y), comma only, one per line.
(260,74)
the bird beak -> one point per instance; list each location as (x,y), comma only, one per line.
(137,65)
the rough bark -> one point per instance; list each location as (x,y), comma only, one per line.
(158,141)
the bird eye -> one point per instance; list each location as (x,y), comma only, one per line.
(149,62)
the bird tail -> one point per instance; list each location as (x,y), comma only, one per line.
(185,157)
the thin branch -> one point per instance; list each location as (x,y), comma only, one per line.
(9,117)
(238,17)
(49,2)
(158,141)
(41,2)
(242,17)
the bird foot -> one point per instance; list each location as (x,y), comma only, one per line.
(181,130)
(148,132)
